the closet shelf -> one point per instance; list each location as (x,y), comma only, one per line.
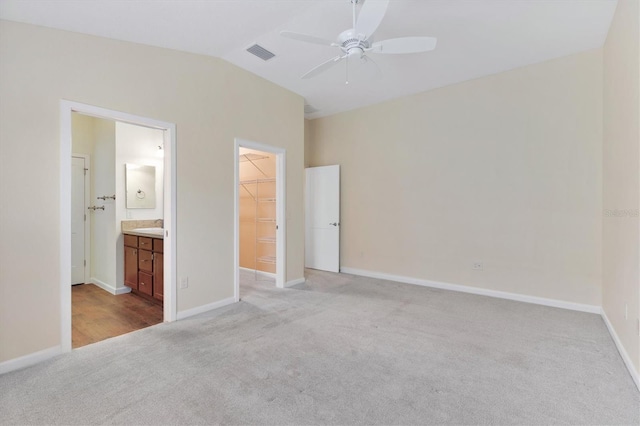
(267,259)
(262,189)
(254,181)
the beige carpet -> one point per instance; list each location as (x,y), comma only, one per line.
(339,349)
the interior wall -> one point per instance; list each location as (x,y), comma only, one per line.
(96,137)
(505,170)
(250,210)
(208,99)
(307,141)
(621,189)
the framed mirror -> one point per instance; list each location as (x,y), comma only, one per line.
(140,183)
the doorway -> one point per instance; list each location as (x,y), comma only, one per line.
(260,225)
(322,218)
(168,312)
(110,156)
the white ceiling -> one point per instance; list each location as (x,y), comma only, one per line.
(475,37)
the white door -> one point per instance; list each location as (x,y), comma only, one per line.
(78,217)
(322,218)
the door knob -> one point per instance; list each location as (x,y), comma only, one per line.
(334,224)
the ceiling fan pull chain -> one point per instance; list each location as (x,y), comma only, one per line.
(347,78)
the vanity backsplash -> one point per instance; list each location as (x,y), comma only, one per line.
(127,225)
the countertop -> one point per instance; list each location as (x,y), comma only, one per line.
(142,233)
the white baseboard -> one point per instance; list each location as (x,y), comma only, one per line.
(205,308)
(28,360)
(623,353)
(108,287)
(594,309)
(294,282)
(265,274)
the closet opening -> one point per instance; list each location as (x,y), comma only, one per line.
(259,217)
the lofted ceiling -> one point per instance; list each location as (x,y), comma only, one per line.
(475,37)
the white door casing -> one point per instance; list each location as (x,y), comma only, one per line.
(78,219)
(322,218)
(281,202)
(170,207)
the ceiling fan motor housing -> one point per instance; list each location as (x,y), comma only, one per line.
(351,44)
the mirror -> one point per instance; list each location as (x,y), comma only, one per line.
(141,186)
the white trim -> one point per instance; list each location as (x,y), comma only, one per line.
(65,227)
(281,202)
(108,287)
(66,108)
(87,221)
(623,353)
(295,282)
(205,308)
(476,290)
(31,359)
(263,273)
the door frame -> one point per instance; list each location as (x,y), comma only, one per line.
(87,221)
(281,202)
(66,109)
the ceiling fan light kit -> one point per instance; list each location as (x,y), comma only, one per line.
(357,42)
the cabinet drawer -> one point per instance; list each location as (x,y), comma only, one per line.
(130,240)
(158,245)
(145,261)
(145,283)
(145,243)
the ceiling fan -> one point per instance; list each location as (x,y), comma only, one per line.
(357,42)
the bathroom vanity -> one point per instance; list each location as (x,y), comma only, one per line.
(143,263)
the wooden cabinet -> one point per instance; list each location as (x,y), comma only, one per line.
(131,267)
(143,266)
(145,261)
(158,269)
(145,283)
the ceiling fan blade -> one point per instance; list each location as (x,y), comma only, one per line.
(306,38)
(323,67)
(370,17)
(404,45)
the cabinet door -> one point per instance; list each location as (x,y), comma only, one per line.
(145,261)
(145,283)
(131,267)
(158,276)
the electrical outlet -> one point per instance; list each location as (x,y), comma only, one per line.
(477,266)
(129,215)
(184,282)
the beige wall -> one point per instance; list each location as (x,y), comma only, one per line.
(211,102)
(307,140)
(621,180)
(505,170)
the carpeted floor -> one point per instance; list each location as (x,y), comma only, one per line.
(339,349)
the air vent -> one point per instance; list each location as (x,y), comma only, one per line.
(308,109)
(260,52)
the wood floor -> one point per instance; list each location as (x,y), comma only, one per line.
(98,315)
